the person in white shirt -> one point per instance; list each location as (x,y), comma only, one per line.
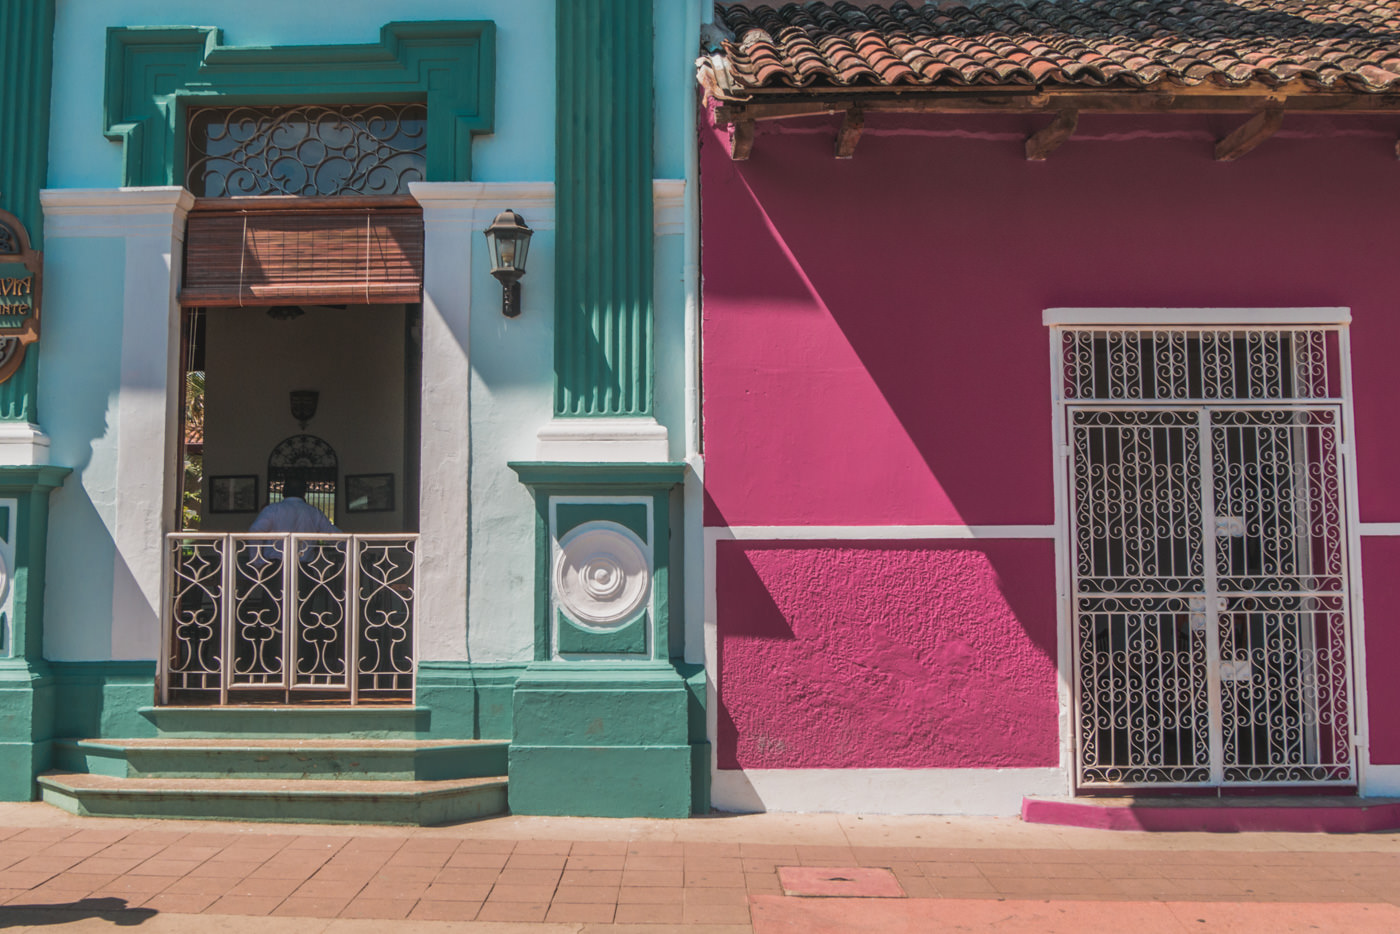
(293,513)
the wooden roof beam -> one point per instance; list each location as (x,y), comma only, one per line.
(1249,135)
(741,139)
(1050,138)
(852,123)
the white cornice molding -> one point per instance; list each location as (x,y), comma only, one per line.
(478,203)
(115,212)
(1211,317)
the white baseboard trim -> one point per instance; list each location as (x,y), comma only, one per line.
(1382,781)
(987,792)
(602,439)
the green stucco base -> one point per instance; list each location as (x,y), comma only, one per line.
(26,715)
(601,739)
(467,700)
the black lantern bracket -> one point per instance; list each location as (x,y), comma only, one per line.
(508,241)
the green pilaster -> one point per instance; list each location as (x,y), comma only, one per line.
(604,718)
(26,77)
(26,684)
(603,357)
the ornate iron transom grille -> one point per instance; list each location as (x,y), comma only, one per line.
(1212,637)
(374,149)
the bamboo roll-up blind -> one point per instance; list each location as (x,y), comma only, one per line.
(294,255)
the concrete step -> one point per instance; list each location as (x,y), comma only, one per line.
(1285,813)
(272,721)
(305,800)
(242,757)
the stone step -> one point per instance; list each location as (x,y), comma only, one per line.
(241,757)
(270,721)
(1283,813)
(305,800)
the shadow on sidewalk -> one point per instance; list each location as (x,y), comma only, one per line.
(108,909)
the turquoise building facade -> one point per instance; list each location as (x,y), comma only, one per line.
(541,469)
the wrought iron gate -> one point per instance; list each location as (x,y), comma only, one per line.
(1211,634)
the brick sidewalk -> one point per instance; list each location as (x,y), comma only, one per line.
(710,874)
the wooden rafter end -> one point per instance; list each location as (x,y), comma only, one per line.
(1047,140)
(852,123)
(740,140)
(1249,135)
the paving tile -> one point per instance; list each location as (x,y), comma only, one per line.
(762,882)
(595,862)
(848,881)
(472,859)
(435,859)
(650,895)
(458,893)
(303,907)
(651,877)
(328,888)
(144,885)
(660,848)
(558,847)
(521,893)
(237,869)
(598,848)
(587,912)
(393,891)
(389,909)
(406,874)
(716,896)
(713,878)
(528,877)
(648,914)
(160,866)
(485,846)
(201,885)
(444,910)
(518,860)
(654,863)
(512,911)
(612,877)
(586,893)
(244,905)
(715,914)
(71,847)
(267,887)
(183,904)
(474,876)
(961,887)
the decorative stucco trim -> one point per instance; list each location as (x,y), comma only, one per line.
(607,440)
(759,533)
(1380,529)
(668,200)
(995,792)
(1214,317)
(116,212)
(478,203)
(23,444)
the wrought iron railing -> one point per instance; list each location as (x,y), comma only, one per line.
(283,617)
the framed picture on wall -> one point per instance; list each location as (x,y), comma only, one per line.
(369,492)
(233,493)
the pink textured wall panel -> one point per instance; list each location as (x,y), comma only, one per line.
(1380,557)
(886,655)
(873,346)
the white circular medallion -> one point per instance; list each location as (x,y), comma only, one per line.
(601,574)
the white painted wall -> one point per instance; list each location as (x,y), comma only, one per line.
(354,357)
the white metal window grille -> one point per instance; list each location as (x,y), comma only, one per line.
(1212,640)
(259,616)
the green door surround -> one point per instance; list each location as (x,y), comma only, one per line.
(154,73)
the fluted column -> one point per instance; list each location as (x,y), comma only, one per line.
(26,76)
(603,314)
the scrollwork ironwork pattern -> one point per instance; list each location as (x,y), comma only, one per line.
(1160,625)
(1151,365)
(374,149)
(334,618)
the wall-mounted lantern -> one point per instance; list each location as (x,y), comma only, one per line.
(508,239)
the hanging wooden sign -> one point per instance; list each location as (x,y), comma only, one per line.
(21,286)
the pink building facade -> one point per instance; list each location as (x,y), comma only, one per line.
(1051,477)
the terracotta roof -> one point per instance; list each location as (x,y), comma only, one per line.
(1081,44)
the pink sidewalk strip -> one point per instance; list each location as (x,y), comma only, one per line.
(774,914)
